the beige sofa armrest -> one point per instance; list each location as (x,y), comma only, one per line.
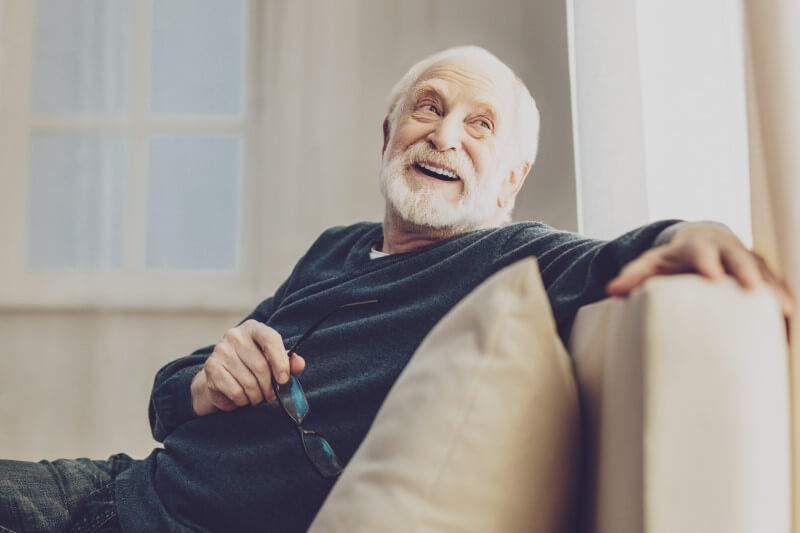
(684,390)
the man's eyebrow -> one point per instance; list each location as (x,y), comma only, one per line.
(431,88)
(487,109)
(428,88)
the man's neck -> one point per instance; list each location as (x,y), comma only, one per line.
(401,236)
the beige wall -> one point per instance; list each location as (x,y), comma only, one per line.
(76,382)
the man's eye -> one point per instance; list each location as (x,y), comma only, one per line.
(484,124)
(430,107)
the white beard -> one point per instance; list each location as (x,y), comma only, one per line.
(427,206)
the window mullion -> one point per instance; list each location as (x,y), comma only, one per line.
(135,212)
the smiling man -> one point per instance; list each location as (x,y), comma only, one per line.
(459,139)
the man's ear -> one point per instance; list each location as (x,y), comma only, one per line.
(513,183)
(386,130)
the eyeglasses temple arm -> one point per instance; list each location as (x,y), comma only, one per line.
(323,319)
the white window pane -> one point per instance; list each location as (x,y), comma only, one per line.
(81,56)
(193,203)
(197,56)
(76,199)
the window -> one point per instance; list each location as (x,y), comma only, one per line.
(126,143)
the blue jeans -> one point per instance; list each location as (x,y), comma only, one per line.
(75,496)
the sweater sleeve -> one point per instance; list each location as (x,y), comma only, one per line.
(171,399)
(576,269)
(171,396)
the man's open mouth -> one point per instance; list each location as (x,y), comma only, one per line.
(436,172)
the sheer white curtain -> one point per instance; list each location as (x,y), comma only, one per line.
(774,105)
(659,111)
(692,109)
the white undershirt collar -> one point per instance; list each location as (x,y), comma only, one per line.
(375,254)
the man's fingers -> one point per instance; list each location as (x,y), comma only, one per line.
(242,374)
(741,264)
(706,261)
(297,363)
(750,269)
(256,362)
(229,359)
(241,368)
(221,384)
(666,260)
(272,347)
(708,251)
(244,361)
(633,274)
(222,402)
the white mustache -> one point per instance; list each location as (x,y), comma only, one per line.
(457,162)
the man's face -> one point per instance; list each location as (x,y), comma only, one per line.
(449,153)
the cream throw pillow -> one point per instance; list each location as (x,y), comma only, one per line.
(481,430)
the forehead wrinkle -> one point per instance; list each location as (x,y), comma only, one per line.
(457,69)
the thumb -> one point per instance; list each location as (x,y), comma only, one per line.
(297,364)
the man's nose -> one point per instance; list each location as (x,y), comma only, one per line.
(446,135)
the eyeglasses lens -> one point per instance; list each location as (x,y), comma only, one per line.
(293,399)
(294,402)
(321,454)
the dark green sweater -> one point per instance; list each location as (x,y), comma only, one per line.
(245,470)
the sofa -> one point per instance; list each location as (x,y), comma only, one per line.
(684,390)
(670,413)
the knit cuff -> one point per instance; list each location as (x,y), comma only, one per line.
(171,402)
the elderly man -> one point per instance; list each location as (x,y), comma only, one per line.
(459,139)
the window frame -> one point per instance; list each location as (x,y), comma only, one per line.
(131,286)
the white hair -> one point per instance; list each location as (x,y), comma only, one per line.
(527,114)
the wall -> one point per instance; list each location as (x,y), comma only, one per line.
(77,383)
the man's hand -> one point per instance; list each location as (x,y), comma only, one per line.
(708,249)
(238,372)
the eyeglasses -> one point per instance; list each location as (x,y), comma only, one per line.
(295,404)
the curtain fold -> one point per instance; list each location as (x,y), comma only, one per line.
(773,69)
(3,47)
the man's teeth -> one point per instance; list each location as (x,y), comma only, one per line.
(437,170)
